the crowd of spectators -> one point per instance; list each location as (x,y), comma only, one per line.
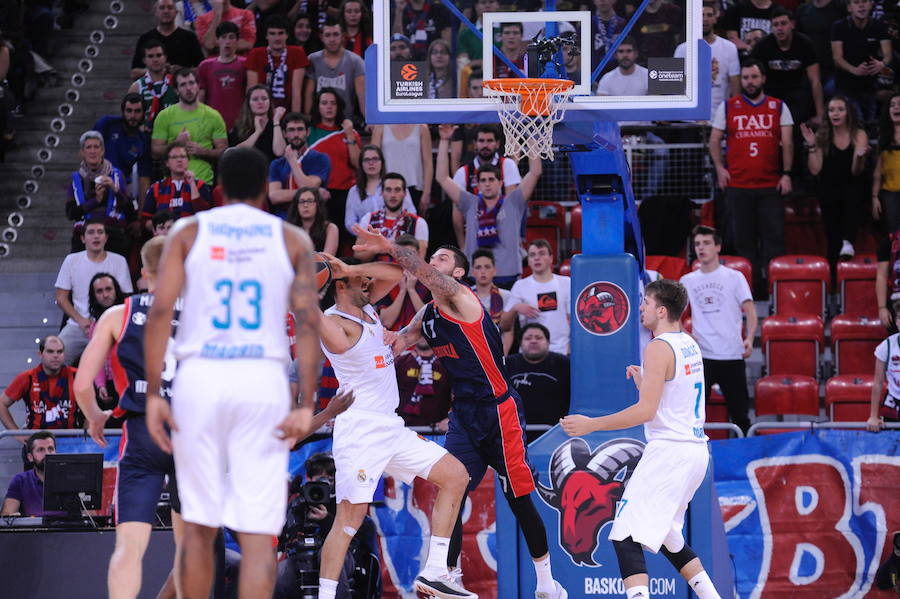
(796,96)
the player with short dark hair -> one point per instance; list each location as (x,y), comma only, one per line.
(671,407)
(487,424)
(239,269)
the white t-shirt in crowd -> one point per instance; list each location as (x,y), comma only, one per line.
(615,83)
(421,232)
(725,54)
(552,300)
(716,299)
(77,270)
(511,175)
(888,349)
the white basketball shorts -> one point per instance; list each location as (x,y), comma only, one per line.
(232,468)
(656,496)
(369,444)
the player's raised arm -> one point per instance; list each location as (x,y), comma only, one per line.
(658,361)
(92,360)
(384,275)
(442,286)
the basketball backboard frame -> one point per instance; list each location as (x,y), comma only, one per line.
(693,104)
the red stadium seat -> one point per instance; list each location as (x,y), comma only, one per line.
(856,280)
(575,230)
(565,268)
(787,395)
(799,284)
(670,267)
(792,344)
(848,397)
(687,323)
(547,220)
(716,411)
(736,262)
(853,340)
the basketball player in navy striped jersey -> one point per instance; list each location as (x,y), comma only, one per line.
(487,423)
(671,406)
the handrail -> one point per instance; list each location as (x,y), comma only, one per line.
(724,426)
(812,425)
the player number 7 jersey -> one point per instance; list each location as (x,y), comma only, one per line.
(682,408)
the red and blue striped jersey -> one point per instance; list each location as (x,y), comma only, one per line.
(128,357)
(471,352)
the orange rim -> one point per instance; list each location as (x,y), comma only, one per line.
(535,94)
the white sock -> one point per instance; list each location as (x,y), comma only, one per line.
(545,583)
(437,555)
(640,592)
(327,588)
(703,586)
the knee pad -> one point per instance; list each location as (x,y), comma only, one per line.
(631,557)
(680,559)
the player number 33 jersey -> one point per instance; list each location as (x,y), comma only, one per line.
(682,407)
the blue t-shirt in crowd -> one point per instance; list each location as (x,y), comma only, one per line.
(124,149)
(313,163)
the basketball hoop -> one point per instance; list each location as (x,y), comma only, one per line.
(528,109)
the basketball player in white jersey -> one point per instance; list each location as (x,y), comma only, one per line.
(370,438)
(236,269)
(672,409)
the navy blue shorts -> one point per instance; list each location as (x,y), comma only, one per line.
(483,434)
(143,467)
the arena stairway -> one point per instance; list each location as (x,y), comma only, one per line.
(93,61)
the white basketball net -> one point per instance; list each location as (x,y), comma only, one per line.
(528,135)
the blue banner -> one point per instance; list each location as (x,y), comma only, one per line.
(809,514)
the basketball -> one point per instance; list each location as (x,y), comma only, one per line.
(323,271)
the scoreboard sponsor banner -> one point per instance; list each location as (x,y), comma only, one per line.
(809,514)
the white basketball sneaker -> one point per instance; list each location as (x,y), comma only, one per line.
(558,593)
(442,587)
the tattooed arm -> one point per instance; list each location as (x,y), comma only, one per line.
(408,335)
(449,295)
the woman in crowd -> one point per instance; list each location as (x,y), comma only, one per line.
(442,70)
(258,124)
(365,196)
(408,152)
(98,192)
(332,134)
(304,34)
(105,292)
(309,212)
(836,154)
(886,179)
(357,24)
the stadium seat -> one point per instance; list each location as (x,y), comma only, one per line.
(687,323)
(575,230)
(853,339)
(781,395)
(856,281)
(792,344)
(547,220)
(736,262)
(799,284)
(716,411)
(669,267)
(848,397)
(565,268)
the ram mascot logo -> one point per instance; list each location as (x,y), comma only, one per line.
(585,488)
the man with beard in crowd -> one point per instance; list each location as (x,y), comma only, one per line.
(25,496)
(299,167)
(126,142)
